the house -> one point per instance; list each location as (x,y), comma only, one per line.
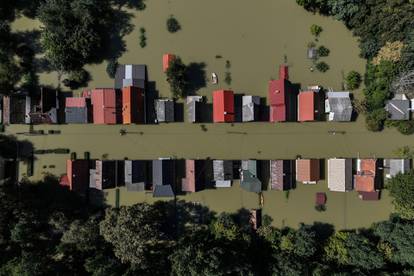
(16,109)
(281,175)
(166,59)
(398,108)
(130,75)
(132,105)
(223,106)
(249,180)
(250,109)
(366,177)
(338,106)
(165,110)
(193,106)
(77,172)
(163,178)
(308,170)
(308,106)
(106,174)
(104,105)
(282,98)
(340,175)
(45,111)
(135,175)
(223,173)
(392,167)
(193,181)
(77,110)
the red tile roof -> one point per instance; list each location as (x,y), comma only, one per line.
(166,59)
(306,102)
(76,102)
(307,170)
(104,106)
(188,183)
(223,106)
(365,177)
(132,105)
(277,100)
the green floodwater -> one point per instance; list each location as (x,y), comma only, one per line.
(255,38)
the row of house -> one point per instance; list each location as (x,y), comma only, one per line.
(162,176)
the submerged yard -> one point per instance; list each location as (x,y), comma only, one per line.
(255,46)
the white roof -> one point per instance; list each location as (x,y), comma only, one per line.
(340,175)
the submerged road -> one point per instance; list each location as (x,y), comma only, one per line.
(220,141)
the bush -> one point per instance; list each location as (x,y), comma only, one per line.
(375,119)
(353,80)
(111,68)
(320,208)
(322,66)
(86,155)
(316,30)
(73,156)
(406,127)
(227,78)
(323,51)
(142,38)
(173,25)
(62,151)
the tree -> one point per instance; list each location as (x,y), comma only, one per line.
(322,66)
(111,68)
(323,51)
(225,227)
(396,240)
(177,77)
(406,127)
(352,249)
(77,78)
(375,119)
(9,74)
(315,30)
(401,188)
(136,235)
(353,80)
(173,25)
(74,32)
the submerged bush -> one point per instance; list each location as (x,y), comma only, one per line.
(173,25)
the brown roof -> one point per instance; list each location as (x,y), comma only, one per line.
(307,170)
(188,183)
(366,175)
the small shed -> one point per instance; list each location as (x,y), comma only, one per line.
(165,110)
(320,199)
(166,60)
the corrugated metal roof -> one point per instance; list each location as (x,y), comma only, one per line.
(340,175)
(165,110)
(76,115)
(223,106)
(75,102)
(104,106)
(306,102)
(250,108)
(340,106)
(398,109)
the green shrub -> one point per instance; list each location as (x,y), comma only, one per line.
(375,119)
(406,127)
(320,208)
(73,156)
(353,80)
(142,38)
(322,66)
(173,25)
(61,151)
(111,68)
(316,30)
(323,51)
(227,78)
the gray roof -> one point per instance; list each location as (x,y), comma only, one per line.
(192,107)
(130,72)
(339,106)
(162,172)
(250,108)
(249,180)
(398,109)
(135,175)
(394,166)
(340,175)
(223,169)
(76,115)
(163,191)
(165,110)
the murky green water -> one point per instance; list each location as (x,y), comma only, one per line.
(255,38)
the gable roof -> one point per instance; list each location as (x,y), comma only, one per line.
(162,172)
(306,102)
(76,115)
(339,106)
(249,180)
(307,170)
(340,175)
(132,105)
(193,103)
(250,108)
(365,177)
(394,166)
(135,175)
(75,102)
(104,105)
(281,177)
(165,110)
(163,191)
(398,109)
(223,106)
(130,75)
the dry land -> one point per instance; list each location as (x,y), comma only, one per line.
(255,38)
